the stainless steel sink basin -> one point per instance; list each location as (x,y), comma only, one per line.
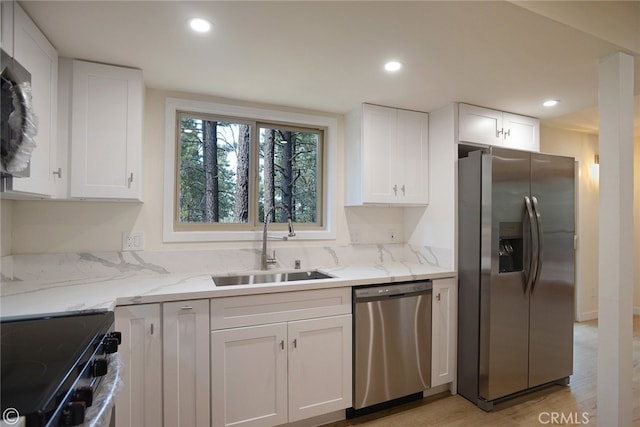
(249,279)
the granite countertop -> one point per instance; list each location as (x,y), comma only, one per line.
(20,298)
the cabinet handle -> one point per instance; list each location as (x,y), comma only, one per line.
(395,190)
(403,190)
(151,329)
(438,297)
(498,132)
(282,345)
(186,307)
(130,180)
(295,343)
(58,172)
(507,133)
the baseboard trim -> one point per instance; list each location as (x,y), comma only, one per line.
(592,315)
(589,315)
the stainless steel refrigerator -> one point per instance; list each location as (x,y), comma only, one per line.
(516,273)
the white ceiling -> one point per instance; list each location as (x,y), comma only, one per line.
(328,55)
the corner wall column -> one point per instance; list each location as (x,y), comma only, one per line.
(615,301)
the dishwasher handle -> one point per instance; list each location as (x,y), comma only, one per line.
(406,289)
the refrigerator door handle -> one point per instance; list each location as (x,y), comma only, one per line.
(536,209)
(532,262)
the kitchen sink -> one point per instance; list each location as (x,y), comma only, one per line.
(251,279)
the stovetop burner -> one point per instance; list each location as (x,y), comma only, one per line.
(42,357)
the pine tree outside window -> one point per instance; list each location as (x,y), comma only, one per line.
(230,171)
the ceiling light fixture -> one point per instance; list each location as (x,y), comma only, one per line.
(550,103)
(392,66)
(200,25)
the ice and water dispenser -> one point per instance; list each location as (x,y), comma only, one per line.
(510,247)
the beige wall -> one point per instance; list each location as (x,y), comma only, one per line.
(47,226)
(583,146)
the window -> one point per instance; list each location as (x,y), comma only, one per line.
(223,199)
(218,156)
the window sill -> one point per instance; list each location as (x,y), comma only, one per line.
(244,236)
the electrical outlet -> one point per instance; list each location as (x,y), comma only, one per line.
(132,241)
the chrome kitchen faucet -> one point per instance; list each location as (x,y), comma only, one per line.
(265,259)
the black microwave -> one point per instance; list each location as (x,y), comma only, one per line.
(18,124)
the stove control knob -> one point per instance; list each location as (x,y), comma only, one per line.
(83,394)
(110,345)
(72,414)
(116,335)
(99,367)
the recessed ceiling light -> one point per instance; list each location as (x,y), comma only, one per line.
(550,103)
(392,66)
(200,25)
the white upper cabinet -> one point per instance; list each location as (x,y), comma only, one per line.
(34,52)
(106,132)
(387,154)
(491,127)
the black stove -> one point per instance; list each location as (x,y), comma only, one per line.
(52,365)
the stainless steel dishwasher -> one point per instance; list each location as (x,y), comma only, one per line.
(392,342)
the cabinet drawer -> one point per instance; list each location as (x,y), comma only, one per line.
(233,312)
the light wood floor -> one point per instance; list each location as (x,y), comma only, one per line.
(578,398)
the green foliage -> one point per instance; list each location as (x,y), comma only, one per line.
(295,167)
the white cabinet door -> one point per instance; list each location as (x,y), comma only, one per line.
(479,125)
(412,163)
(378,137)
(319,366)
(249,376)
(39,57)
(521,132)
(139,402)
(391,157)
(444,331)
(491,127)
(106,132)
(185,342)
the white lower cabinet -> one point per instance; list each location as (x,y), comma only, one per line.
(185,353)
(280,358)
(444,332)
(139,402)
(165,362)
(272,374)
(249,376)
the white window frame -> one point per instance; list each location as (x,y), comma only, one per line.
(174,105)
